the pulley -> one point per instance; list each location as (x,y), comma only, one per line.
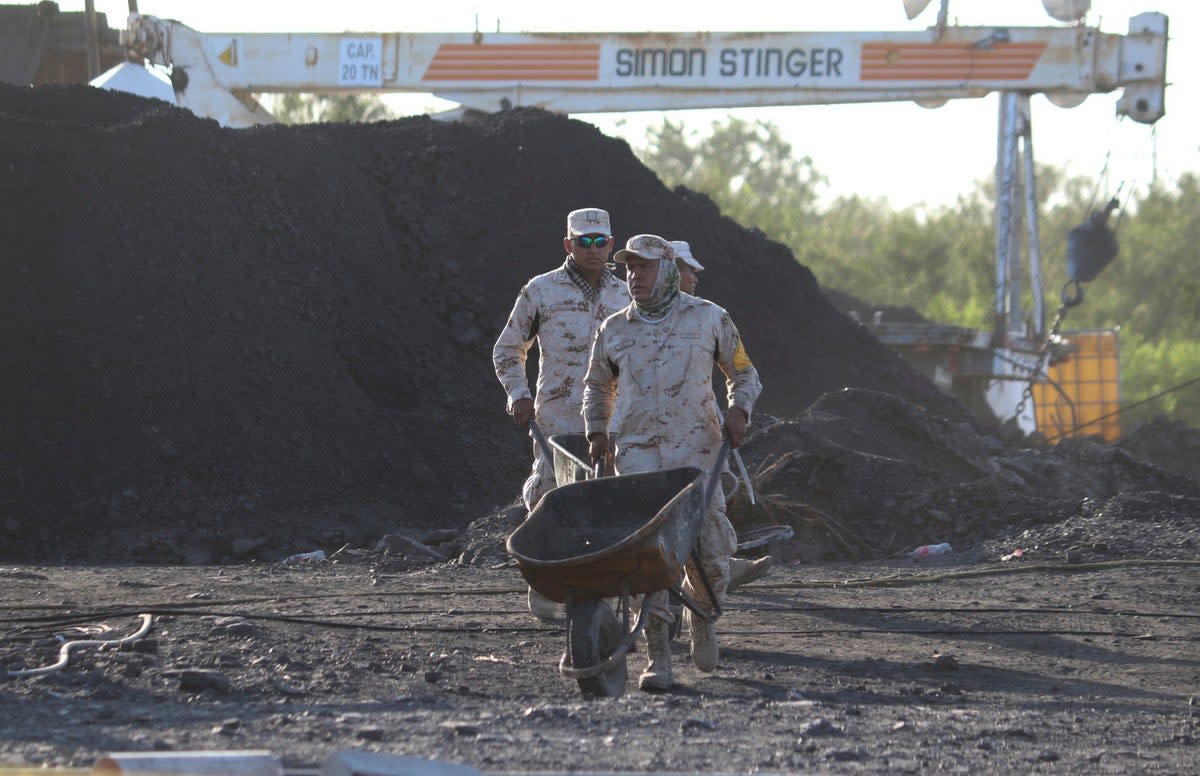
(1091,246)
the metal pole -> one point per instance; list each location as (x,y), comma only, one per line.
(1032,232)
(1005,179)
(92,39)
(1016,285)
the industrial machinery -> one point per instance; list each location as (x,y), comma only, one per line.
(218,74)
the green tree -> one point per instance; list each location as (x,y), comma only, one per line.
(1151,292)
(748,170)
(941,262)
(297,108)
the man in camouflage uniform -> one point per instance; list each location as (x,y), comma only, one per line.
(689,268)
(658,354)
(561,310)
(741,571)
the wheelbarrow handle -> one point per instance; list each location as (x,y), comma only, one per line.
(737,457)
(714,476)
(540,440)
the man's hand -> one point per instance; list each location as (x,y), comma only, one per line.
(522,411)
(735,426)
(598,447)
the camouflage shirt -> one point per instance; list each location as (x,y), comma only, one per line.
(552,309)
(663,374)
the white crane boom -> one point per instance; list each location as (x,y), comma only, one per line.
(617,72)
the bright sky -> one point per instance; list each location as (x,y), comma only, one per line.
(901,151)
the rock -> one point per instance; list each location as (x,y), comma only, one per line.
(461,728)
(199,680)
(821,727)
(228,727)
(369,733)
(692,725)
(945,663)
(846,755)
(232,626)
(146,646)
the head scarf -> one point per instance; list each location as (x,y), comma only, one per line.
(663,295)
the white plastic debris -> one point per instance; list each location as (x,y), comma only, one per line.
(316,556)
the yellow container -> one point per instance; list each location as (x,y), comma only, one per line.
(1082,395)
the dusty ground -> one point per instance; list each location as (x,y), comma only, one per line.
(880,667)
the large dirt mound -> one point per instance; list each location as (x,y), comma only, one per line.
(863,474)
(280,338)
(1172,444)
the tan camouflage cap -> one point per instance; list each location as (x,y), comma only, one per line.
(648,246)
(588,220)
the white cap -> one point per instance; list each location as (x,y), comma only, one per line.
(648,246)
(588,220)
(684,251)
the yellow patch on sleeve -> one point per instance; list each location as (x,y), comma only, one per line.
(741,360)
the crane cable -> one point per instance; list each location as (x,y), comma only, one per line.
(1130,406)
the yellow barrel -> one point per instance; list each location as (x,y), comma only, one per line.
(1090,378)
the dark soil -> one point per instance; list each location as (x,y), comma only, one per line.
(868,668)
(1171,444)
(282,335)
(863,475)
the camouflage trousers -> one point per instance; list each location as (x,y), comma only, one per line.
(718,541)
(540,480)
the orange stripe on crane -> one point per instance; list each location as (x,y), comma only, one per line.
(948,62)
(506,62)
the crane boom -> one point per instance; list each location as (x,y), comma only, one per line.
(617,72)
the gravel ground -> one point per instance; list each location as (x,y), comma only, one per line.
(949,666)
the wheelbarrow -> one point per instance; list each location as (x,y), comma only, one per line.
(569,455)
(614,537)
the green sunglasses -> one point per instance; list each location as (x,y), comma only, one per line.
(588,240)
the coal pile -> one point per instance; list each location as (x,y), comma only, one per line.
(225,344)
(867,312)
(1172,444)
(1144,525)
(868,475)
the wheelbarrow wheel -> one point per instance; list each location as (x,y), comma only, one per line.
(594,633)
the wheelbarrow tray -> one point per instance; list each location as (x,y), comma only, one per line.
(600,538)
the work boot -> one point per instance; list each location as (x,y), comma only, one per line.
(542,607)
(657,676)
(706,651)
(743,571)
